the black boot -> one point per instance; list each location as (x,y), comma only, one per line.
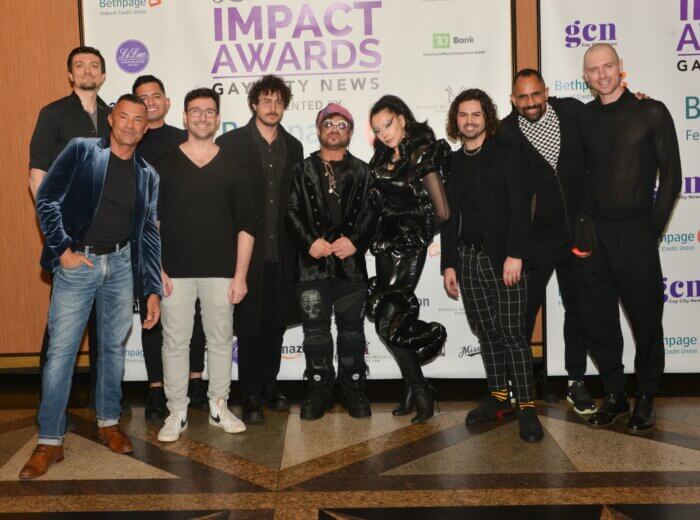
(425,402)
(352,387)
(197,392)
(643,417)
(408,401)
(320,396)
(614,408)
(252,410)
(155,404)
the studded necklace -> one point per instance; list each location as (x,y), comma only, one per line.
(331,178)
(471,153)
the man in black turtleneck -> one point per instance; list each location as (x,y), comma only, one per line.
(621,220)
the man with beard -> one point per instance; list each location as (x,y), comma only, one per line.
(206,226)
(97,211)
(267,152)
(549,129)
(483,245)
(80,114)
(330,219)
(623,214)
(160,139)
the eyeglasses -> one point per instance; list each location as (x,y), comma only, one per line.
(209,113)
(340,125)
(269,102)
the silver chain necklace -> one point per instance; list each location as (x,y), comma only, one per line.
(471,153)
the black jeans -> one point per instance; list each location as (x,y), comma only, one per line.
(318,300)
(562,261)
(152,344)
(259,357)
(624,267)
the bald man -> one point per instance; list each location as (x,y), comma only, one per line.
(627,141)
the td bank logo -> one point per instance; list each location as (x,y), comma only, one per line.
(446,40)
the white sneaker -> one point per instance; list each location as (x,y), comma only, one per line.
(222,417)
(175,423)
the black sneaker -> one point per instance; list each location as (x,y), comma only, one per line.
(197,392)
(643,417)
(155,404)
(352,387)
(580,398)
(252,410)
(530,427)
(614,408)
(490,409)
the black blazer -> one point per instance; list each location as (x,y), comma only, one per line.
(308,217)
(504,196)
(241,144)
(557,192)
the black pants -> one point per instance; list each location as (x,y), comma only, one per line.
(318,300)
(152,344)
(496,313)
(259,357)
(623,267)
(562,261)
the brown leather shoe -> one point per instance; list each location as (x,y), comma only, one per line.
(40,461)
(115,439)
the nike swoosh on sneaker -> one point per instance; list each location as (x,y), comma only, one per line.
(183,423)
(216,419)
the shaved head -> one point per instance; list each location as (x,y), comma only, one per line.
(599,47)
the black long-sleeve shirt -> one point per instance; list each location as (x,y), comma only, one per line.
(626,143)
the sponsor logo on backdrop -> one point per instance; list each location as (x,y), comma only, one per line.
(671,242)
(580,34)
(132,56)
(679,345)
(234,351)
(575,88)
(133,355)
(292,351)
(469,351)
(681,291)
(453,92)
(688,46)
(125,7)
(690,188)
(692,113)
(447,44)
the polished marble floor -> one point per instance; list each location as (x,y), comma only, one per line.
(377,468)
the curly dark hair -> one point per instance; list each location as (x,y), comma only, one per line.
(472,94)
(269,84)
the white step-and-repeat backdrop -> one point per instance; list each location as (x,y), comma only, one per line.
(659,43)
(350,52)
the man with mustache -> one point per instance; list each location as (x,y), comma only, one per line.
(207,227)
(623,212)
(80,114)
(97,211)
(331,220)
(549,129)
(267,152)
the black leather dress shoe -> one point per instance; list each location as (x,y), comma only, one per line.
(275,399)
(252,411)
(614,408)
(643,417)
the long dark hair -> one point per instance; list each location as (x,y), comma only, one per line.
(397,106)
(472,94)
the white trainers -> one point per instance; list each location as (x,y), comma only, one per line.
(222,417)
(175,423)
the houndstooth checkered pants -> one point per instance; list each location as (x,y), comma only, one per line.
(497,316)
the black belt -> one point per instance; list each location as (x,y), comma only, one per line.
(472,246)
(99,250)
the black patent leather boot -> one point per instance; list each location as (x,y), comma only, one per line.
(425,402)
(408,401)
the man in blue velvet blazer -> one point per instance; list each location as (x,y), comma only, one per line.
(97,211)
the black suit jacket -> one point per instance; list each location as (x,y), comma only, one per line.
(504,191)
(248,314)
(308,217)
(557,192)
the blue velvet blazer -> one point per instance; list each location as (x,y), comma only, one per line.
(67,201)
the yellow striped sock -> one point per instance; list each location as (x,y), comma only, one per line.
(527,404)
(501,395)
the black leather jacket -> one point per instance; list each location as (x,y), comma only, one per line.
(308,217)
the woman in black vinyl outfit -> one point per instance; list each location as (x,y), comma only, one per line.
(408,166)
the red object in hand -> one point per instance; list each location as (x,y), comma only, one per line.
(580,254)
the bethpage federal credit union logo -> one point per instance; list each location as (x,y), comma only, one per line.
(681,291)
(125,7)
(681,344)
(446,44)
(692,113)
(688,47)
(578,34)
(671,242)
(132,56)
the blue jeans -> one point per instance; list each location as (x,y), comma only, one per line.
(110,285)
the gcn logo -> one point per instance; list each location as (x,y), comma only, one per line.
(681,291)
(577,34)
